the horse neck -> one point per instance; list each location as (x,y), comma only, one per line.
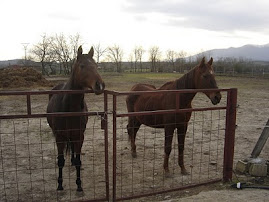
(186,82)
(75,101)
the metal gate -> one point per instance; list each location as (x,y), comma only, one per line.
(28,153)
(209,148)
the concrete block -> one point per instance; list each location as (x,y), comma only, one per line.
(258,170)
(242,166)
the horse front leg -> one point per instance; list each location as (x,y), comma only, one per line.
(77,162)
(132,129)
(167,147)
(72,153)
(181,133)
(61,161)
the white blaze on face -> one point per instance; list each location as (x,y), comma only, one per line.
(101,86)
(211,72)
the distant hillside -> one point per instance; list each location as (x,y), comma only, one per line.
(20,62)
(6,63)
(252,52)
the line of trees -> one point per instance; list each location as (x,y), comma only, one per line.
(56,54)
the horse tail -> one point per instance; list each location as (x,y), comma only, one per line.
(68,146)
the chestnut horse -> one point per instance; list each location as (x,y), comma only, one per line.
(70,130)
(200,77)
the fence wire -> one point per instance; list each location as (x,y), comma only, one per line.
(28,163)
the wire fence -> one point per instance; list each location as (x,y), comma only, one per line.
(28,163)
(28,153)
(208,150)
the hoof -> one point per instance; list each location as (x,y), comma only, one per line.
(184,172)
(79,189)
(134,155)
(60,188)
(167,173)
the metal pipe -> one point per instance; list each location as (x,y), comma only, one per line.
(169,111)
(106,145)
(229,135)
(169,190)
(114,146)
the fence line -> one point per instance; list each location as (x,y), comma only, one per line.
(29,132)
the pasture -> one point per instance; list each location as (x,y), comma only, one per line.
(29,153)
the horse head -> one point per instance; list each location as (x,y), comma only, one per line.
(205,79)
(85,72)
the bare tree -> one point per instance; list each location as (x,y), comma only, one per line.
(115,54)
(63,52)
(181,60)
(140,53)
(154,57)
(131,61)
(99,52)
(135,53)
(171,58)
(75,42)
(41,51)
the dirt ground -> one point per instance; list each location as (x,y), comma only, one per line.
(28,166)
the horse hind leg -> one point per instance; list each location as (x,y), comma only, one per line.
(132,128)
(167,148)
(61,162)
(181,133)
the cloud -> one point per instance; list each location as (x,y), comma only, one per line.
(228,15)
(63,16)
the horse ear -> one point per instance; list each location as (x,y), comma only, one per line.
(91,52)
(79,51)
(210,61)
(202,63)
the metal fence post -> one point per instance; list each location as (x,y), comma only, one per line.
(106,144)
(229,134)
(114,146)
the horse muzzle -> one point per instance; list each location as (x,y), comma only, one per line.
(215,98)
(99,87)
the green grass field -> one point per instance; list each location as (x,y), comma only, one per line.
(124,81)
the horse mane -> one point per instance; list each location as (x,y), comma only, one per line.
(186,81)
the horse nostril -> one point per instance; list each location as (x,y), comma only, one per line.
(99,86)
(217,98)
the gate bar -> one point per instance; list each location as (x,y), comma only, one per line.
(229,135)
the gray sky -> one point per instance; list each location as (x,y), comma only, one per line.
(186,25)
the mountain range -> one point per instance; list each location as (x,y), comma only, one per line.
(247,52)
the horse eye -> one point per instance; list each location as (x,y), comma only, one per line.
(82,66)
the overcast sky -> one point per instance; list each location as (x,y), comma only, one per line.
(187,25)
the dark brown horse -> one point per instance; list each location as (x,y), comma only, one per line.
(70,130)
(200,77)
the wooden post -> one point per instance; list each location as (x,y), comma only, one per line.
(261,142)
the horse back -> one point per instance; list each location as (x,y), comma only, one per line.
(131,99)
(58,87)
(154,102)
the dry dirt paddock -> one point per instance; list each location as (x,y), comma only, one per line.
(28,157)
